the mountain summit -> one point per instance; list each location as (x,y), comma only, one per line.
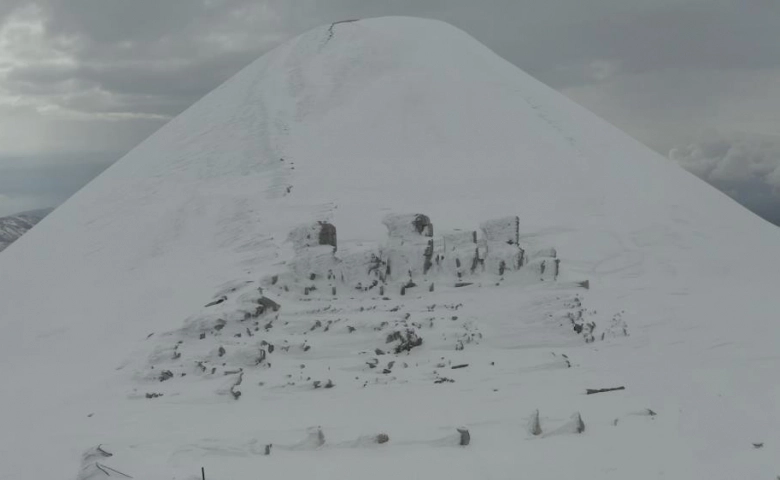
(382,251)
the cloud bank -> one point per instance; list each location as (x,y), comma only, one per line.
(745,166)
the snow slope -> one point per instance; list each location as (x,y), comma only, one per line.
(14,226)
(346,124)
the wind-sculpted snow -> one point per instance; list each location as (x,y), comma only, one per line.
(381,230)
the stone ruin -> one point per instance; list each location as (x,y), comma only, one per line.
(312,235)
(412,256)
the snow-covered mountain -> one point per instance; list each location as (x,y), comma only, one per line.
(375,243)
(14,226)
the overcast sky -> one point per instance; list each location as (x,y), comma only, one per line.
(83,81)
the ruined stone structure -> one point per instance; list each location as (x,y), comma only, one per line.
(412,257)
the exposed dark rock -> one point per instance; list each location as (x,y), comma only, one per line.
(465,436)
(422,223)
(328,235)
(428,255)
(407,340)
(217,301)
(535,426)
(268,304)
(591,391)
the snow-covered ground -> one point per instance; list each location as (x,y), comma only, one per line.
(106,337)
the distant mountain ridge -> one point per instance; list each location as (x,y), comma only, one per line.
(14,226)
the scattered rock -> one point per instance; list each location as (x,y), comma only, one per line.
(268,304)
(465,436)
(578,423)
(217,301)
(407,340)
(534,425)
(592,391)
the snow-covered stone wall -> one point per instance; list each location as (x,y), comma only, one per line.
(411,257)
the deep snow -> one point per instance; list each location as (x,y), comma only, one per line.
(348,124)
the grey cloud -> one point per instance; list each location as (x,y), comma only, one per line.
(42,74)
(554,40)
(712,35)
(118,21)
(638,37)
(158,89)
(671,107)
(45,181)
(141,52)
(156,108)
(26,133)
(732,158)
(10,6)
(184,48)
(745,166)
(191,78)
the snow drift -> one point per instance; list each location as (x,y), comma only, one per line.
(134,316)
